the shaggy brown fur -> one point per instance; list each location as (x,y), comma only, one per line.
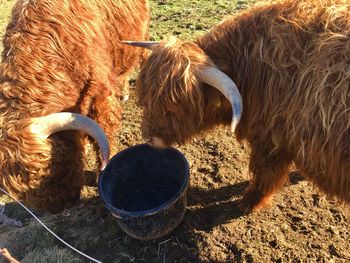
(61,56)
(291,62)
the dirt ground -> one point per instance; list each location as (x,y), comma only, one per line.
(300,226)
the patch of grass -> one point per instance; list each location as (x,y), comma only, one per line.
(22,240)
(54,254)
(182,18)
(5,7)
(188,19)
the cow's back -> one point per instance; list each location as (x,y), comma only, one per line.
(55,46)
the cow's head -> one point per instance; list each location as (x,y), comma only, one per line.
(174,89)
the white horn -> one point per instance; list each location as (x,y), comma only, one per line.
(145,44)
(219,80)
(49,124)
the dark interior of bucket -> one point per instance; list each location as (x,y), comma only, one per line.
(142,178)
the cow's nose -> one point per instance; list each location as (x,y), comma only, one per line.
(156,142)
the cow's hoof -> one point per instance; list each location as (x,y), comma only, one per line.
(253,201)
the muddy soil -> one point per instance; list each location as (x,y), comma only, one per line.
(301,225)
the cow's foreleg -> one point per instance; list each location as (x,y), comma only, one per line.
(106,111)
(124,88)
(269,168)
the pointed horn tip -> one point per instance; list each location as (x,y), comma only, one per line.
(104,163)
(127,42)
(234,124)
(144,44)
(134,42)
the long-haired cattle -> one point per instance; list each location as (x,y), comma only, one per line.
(62,56)
(281,70)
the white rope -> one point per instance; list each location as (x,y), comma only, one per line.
(52,233)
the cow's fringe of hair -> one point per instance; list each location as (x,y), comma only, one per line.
(181,86)
(28,164)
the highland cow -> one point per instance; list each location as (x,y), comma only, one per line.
(62,56)
(290,61)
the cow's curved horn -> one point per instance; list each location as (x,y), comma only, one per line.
(219,80)
(55,122)
(145,44)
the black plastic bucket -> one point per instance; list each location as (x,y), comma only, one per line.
(145,189)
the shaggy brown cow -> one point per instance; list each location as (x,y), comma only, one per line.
(291,63)
(61,56)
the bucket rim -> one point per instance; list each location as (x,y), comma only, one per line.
(122,214)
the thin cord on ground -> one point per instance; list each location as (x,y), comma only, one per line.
(48,229)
